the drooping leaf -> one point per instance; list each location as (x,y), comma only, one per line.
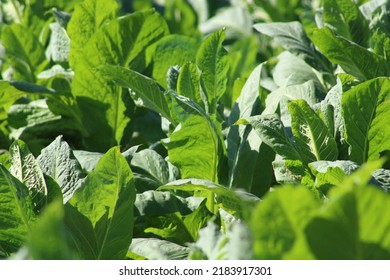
(145,91)
(103,205)
(57,161)
(344,53)
(365,109)
(24,53)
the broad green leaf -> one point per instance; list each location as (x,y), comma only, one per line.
(47,240)
(87,18)
(104,206)
(172,50)
(57,161)
(197,219)
(24,53)
(181,17)
(194,147)
(145,91)
(279,220)
(345,18)
(157,249)
(151,163)
(350,226)
(343,52)
(292,37)
(25,167)
(365,109)
(246,163)
(312,137)
(213,63)
(280,10)
(96,94)
(16,213)
(272,132)
(8,95)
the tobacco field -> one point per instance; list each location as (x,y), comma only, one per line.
(194,129)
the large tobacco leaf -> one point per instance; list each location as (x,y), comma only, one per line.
(99,216)
(365,109)
(96,94)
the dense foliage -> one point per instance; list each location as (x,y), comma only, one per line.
(194,129)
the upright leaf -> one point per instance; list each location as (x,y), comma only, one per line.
(345,18)
(16,213)
(313,138)
(25,167)
(213,63)
(103,206)
(96,93)
(365,109)
(87,18)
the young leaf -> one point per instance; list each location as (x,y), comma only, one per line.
(213,63)
(104,206)
(313,138)
(57,161)
(16,213)
(365,109)
(188,83)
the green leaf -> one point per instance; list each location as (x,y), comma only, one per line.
(246,163)
(24,53)
(145,91)
(25,167)
(57,161)
(16,213)
(103,206)
(351,227)
(216,194)
(87,18)
(172,50)
(312,137)
(345,18)
(278,221)
(96,94)
(47,240)
(272,132)
(365,109)
(343,52)
(188,83)
(157,249)
(292,37)
(59,45)
(214,66)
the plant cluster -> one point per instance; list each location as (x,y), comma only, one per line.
(194,129)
